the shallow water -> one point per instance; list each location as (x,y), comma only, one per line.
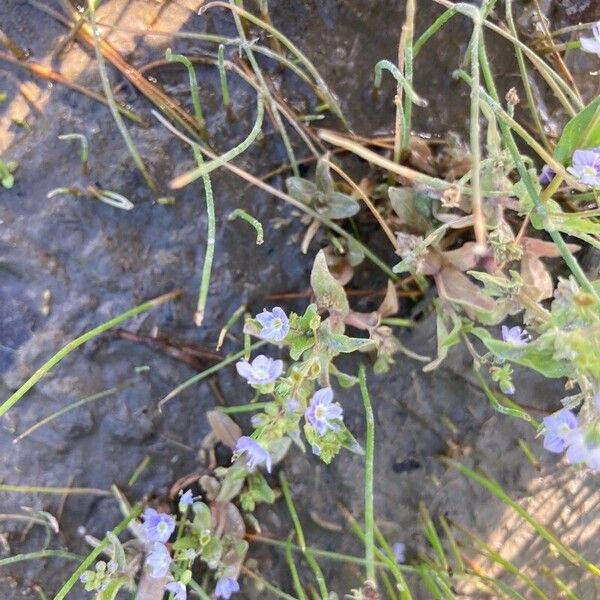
(97,261)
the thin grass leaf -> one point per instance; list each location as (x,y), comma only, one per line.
(495,488)
(89,335)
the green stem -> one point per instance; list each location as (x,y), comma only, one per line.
(113,105)
(243,408)
(510,143)
(322,89)
(289,557)
(205,168)
(475,135)
(63,491)
(40,554)
(242,214)
(91,557)
(266,92)
(409,28)
(86,337)
(369,460)
(184,60)
(531,104)
(210,242)
(432,30)
(223,76)
(285,488)
(207,373)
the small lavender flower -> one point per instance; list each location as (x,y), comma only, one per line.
(399,550)
(291,405)
(321,411)
(275,324)
(255,453)
(515,335)
(178,589)
(158,526)
(592,44)
(585,166)
(226,586)
(186,499)
(557,430)
(158,561)
(261,370)
(546,176)
(584,447)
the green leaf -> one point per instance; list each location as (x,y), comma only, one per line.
(340,206)
(232,484)
(259,488)
(112,589)
(582,131)
(301,189)
(329,293)
(445,339)
(403,201)
(298,344)
(323,177)
(345,380)
(538,355)
(340,343)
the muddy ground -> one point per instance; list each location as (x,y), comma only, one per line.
(97,261)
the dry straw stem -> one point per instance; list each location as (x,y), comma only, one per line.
(367,201)
(153,92)
(56,77)
(350,145)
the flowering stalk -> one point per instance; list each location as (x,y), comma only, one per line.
(91,557)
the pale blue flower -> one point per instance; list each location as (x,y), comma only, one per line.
(558,428)
(322,411)
(255,453)
(261,370)
(275,324)
(185,500)
(546,176)
(515,335)
(399,550)
(226,586)
(158,561)
(178,589)
(584,447)
(158,526)
(592,44)
(585,166)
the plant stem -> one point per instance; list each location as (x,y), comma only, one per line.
(369,460)
(184,60)
(510,143)
(408,33)
(66,588)
(210,242)
(223,76)
(242,214)
(113,105)
(285,488)
(207,373)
